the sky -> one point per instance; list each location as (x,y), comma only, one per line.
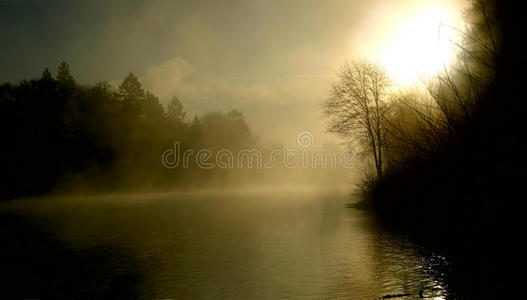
(273,60)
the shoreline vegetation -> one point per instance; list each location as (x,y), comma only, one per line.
(97,137)
(60,136)
(445,163)
(450,174)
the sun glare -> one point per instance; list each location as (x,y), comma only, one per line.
(421,47)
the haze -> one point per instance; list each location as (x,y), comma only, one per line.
(272,60)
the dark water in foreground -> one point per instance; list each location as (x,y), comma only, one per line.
(232,245)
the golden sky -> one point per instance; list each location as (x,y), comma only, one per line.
(273,59)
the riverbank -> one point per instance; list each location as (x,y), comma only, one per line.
(457,209)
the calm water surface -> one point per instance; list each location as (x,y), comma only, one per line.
(297,244)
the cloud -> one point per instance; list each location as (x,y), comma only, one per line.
(167,79)
(276,107)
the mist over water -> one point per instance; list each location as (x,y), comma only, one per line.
(252,243)
(259,149)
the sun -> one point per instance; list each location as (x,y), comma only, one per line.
(422,46)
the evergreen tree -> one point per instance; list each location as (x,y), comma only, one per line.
(153,108)
(64,75)
(132,95)
(46,75)
(175,110)
(130,88)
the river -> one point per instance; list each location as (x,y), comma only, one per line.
(243,244)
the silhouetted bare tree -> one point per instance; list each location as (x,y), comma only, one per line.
(357,107)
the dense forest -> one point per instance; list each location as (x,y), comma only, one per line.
(58,133)
(61,136)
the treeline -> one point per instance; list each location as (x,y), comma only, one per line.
(447,147)
(446,160)
(56,132)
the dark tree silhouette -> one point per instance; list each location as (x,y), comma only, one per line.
(153,109)
(357,107)
(63,74)
(57,133)
(453,172)
(175,110)
(132,95)
(46,75)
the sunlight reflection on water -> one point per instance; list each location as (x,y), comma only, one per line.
(240,245)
